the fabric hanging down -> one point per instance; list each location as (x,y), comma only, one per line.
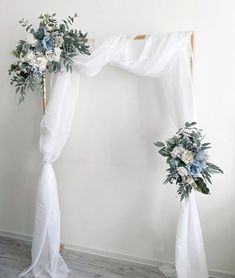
(166,57)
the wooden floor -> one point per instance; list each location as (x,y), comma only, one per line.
(15,256)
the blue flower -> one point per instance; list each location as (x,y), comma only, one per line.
(202,164)
(201,159)
(48,43)
(202,155)
(194,169)
(39,47)
(37,72)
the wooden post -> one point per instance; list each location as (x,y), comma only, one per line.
(193,43)
(61,247)
(140,37)
(44,93)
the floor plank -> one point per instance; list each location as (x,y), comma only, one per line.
(15,256)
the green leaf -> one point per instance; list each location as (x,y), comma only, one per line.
(164,153)
(172,141)
(201,186)
(205,144)
(159,144)
(187,124)
(213,168)
(29,27)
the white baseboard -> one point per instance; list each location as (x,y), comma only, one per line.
(108,254)
(16,235)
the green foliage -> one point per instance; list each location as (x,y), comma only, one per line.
(184,190)
(201,186)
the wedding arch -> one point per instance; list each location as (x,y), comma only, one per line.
(166,57)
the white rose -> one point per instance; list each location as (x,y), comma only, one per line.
(50,55)
(41,63)
(187,157)
(57,51)
(53,55)
(30,39)
(30,57)
(182,171)
(177,151)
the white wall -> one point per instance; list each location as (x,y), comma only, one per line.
(110,175)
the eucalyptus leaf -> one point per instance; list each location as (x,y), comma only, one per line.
(159,144)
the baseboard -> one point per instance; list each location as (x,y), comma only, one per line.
(16,235)
(108,254)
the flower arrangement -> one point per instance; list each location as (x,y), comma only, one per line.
(49,48)
(187,157)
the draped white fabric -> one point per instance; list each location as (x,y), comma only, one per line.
(54,132)
(166,57)
(190,256)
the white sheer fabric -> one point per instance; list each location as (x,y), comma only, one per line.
(54,132)
(190,256)
(166,57)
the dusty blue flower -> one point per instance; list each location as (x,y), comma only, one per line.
(37,72)
(202,164)
(202,155)
(194,169)
(48,43)
(39,47)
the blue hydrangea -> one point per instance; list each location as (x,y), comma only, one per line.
(48,43)
(202,164)
(202,155)
(201,158)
